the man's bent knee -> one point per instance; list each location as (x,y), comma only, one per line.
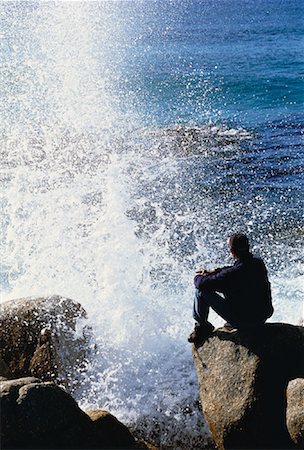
(206,296)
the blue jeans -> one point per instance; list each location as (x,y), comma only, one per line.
(203,300)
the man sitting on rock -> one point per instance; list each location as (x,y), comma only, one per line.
(246,300)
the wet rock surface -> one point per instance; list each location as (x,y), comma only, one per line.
(44,337)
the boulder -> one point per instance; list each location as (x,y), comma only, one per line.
(37,414)
(9,392)
(111,432)
(42,415)
(295,411)
(45,337)
(243,377)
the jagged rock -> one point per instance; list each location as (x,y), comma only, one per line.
(295,411)
(243,377)
(42,415)
(38,338)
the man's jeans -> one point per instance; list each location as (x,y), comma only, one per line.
(202,302)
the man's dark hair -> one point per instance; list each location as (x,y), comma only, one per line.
(239,244)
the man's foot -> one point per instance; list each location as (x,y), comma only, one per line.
(200,333)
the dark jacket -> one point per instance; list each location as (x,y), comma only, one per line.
(245,287)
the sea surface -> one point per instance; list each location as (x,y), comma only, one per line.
(135,137)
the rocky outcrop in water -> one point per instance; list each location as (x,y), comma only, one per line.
(41,415)
(243,378)
(46,338)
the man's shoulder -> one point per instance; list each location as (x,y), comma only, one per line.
(257,259)
(229,269)
(251,262)
(252,258)
(256,256)
(258,265)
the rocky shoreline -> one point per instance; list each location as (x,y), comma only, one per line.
(251,383)
(43,360)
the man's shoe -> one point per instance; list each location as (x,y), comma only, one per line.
(194,335)
(200,333)
(229,327)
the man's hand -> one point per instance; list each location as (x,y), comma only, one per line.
(204,271)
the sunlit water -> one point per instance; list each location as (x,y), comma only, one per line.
(135,136)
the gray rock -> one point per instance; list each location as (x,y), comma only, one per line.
(243,376)
(295,411)
(37,338)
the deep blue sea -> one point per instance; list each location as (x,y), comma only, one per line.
(135,137)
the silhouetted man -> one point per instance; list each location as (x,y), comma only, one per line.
(246,299)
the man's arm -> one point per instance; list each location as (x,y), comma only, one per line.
(206,271)
(218,280)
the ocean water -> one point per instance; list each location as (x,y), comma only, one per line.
(135,137)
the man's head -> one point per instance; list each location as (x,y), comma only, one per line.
(239,245)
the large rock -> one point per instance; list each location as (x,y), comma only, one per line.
(45,337)
(243,378)
(41,415)
(37,414)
